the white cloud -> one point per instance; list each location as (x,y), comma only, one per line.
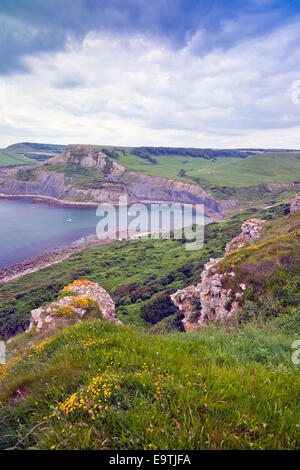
(135,91)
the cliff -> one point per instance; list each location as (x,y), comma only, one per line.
(84,174)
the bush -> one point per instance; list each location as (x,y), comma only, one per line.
(168,325)
(158,307)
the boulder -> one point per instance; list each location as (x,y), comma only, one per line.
(82,299)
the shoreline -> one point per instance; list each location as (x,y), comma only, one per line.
(57,255)
(52,201)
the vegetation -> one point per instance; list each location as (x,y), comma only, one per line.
(148,266)
(96,385)
(248,170)
(82,177)
(270,268)
(28,153)
(12,159)
(100,386)
(158,307)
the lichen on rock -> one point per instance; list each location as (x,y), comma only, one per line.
(210,301)
(84,299)
(251,229)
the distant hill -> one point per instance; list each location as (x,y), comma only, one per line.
(26,153)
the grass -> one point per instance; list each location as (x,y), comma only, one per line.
(131,271)
(256,169)
(26,153)
(100,386)
(8,158)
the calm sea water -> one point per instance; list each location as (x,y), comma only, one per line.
(29,228)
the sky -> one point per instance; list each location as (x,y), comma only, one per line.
(194,73)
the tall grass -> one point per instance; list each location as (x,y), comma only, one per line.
(100,386)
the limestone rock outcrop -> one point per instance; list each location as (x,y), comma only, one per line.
(82,299)
(251,229)
(295,206)
(210,301)
(90,157)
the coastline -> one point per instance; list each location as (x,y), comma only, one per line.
(57,255)
(52,201)
(50,257)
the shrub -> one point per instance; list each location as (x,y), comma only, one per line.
(65,311)
(158,307)
(169,324)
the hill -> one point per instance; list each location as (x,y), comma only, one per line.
(146,385)
(224,180)
(28,153)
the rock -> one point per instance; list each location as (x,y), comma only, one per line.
(116,183)
(88,296)
(251,229)
(209,301)
(295,206)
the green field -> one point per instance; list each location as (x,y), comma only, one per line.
(27,153)
(237,172)
(8,158)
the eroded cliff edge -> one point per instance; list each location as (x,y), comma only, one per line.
(105,181)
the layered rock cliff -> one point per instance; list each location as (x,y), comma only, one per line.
(44,184)
(115,182)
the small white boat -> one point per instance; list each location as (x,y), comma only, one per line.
(68,220)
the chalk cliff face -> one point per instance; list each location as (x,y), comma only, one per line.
(117,182)
(210,301)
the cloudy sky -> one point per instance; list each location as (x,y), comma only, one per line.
(161,72)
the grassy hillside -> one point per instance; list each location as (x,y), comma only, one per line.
(28,153)
(132,272)
(96,385)
(100,386)
(231,171)
(8,158)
